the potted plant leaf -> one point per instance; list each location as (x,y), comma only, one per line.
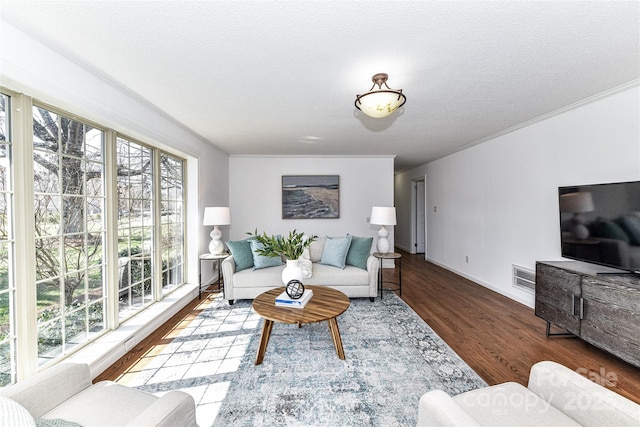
(290,248)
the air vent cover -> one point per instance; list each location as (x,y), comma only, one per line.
(523,278)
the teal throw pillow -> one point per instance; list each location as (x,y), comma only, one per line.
(631,224)
(261,261)
(242,255)
(359,251)
(608,229)
(335,251)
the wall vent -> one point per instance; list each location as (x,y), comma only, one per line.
(523,278)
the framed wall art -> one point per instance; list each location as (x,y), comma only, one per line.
(310,196)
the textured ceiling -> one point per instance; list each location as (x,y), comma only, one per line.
(273,77)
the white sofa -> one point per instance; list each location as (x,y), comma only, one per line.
(555,396)
(64,392)
(353,281)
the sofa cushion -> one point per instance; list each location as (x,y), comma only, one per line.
(510,404)
(359,251)
(335,251)
(97,405)
(14,414)
(241,252)
(631,224)
(608,229)
(331,276)
(261,261)
(263,277)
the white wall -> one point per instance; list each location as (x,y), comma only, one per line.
(497,202)
(29,66)
(255,193)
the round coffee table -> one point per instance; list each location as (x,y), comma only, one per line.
(325,304)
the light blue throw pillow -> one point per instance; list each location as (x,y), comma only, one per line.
(261,261)
(241,252)
(335,251)
(359,251)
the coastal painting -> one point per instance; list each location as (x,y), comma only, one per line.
(310,196)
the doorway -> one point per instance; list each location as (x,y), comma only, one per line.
(418,215)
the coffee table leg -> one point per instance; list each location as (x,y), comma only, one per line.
(264,340)
(335,334)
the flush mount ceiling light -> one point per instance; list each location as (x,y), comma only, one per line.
(381,102)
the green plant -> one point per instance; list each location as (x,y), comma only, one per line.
(290,247)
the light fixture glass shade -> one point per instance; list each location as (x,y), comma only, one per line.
(216,216)
(383,215)
(382,102)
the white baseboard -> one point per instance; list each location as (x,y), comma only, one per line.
(526,298)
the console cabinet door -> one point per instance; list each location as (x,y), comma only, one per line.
(611,318)
(557,296)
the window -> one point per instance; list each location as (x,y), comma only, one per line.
(135,227)
(69,202)
(172,220)
(7,282)
(97,232)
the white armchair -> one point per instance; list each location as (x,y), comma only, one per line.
(65,392)
(555,396)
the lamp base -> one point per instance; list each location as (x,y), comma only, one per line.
(383,244)
(216,247)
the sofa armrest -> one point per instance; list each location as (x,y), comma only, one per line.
(373,267)
(437,408)
(586,402)
(228,270)
(49,388)
(175,408)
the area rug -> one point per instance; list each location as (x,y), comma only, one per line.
(392,358)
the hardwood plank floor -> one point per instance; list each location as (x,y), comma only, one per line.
(499,338)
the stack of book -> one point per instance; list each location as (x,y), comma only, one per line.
(284,300)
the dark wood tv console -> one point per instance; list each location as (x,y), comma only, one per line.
(598,304)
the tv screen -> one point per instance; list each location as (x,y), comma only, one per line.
(601,224)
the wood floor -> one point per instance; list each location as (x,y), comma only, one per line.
(499,338)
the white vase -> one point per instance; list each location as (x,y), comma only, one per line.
(291,271)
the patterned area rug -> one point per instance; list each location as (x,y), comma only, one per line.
(392,358)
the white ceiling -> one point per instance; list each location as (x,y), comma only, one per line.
(273,77)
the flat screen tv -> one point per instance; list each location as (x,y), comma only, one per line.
(600,224)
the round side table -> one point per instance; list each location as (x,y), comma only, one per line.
(389,255)
(211,257)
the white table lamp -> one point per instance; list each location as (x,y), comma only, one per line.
(216,216)
(577,203)
(382,215)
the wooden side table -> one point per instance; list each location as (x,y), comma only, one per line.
(211,257)
(389,255)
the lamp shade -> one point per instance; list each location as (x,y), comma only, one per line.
(383,215)
(576,202)
(216,216)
